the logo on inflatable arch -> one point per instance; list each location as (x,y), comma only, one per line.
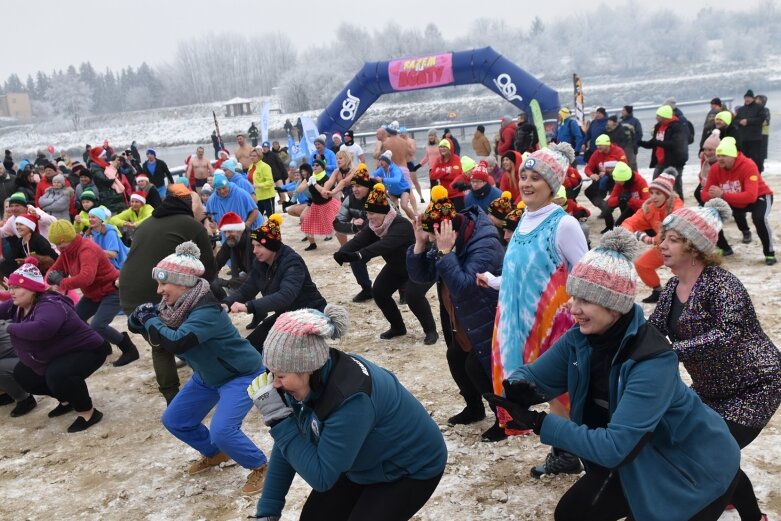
(421,72)
(504,83)
(349,107)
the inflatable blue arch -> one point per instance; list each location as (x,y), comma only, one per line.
(484,66)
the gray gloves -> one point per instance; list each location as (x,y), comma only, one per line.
(268,400)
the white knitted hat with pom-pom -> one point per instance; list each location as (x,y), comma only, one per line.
(297,340)
(551,163)
(701,226)
(183,268)
(606,274)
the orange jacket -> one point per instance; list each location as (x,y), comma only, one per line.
(650,217)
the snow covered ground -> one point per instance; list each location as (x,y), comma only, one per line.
(128,466)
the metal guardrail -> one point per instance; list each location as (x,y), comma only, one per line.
(361,136)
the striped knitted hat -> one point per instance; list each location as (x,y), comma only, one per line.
(501,206)
(606,275)
(701,226)
(296,342)
(551,163)
(665,183)
(183,268)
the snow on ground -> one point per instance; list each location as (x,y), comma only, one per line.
(128,466)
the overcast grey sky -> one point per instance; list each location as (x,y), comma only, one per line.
(52,34)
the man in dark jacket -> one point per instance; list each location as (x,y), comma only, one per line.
(595,129)
(7,185)
(281,277)
(278,167)
(669,145)
(628,118)
(253,133)
(157,171)
(350,220)
(453,256)
(171,224)
(749,120)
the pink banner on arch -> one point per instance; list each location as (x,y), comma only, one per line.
(421,72)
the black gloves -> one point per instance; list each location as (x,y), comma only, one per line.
(518,397)
(460,186)
(54,277)
(416,167)
(346,256)
(624,197)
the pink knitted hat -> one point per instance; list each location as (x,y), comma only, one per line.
(551,163)
(183,268)
(665,183)
(606,275)
(28,276)
(701,226)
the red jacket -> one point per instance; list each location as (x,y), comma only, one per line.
(88,269)
(638,189)
(742,184)
(572,178)
(598,159)
(506,139)
(575,210)
(447,174)
(505,183)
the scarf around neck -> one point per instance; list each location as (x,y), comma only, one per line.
(382,229)
(173,316)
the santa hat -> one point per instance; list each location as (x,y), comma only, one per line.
(231,222)
(29,219)
(28,276)
(142,176)
(138,196)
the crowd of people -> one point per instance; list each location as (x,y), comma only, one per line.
(529,312)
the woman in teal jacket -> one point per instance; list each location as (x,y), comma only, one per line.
(652,449)
(361,440)
(190,323)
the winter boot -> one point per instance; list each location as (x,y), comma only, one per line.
(393,332)
(468,415)
(746,237)
(558,462)
(431,338)
(129,351)
(255,481)
(364,295)
(207,462)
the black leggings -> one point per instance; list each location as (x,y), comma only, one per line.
(258,336)
(348,501)
(387,282)
(744,499)
(760,216)
(465,367)
(598,496)
(65,377)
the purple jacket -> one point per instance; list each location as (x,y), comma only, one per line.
(50,330)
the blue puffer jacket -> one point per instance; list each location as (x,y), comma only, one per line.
(673,454)
(376,436)
(475,307)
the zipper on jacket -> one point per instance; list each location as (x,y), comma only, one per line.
(680,471)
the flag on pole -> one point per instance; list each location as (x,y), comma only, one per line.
(580,108)
(295,150)
(310,133)
(539,123)
(264,109)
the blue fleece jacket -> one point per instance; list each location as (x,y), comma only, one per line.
(237,201)
(673,454)
(371,439)
(393,179)
(242,182)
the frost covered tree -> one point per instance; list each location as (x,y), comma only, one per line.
(70,97)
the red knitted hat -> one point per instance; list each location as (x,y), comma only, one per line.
(28,276)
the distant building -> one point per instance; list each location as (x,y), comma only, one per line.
(16,105)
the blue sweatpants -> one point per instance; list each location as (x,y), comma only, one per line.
(184,416)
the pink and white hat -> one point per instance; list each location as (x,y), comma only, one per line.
(28,276)
(701,226)
(665,183)
(183,268)
(606,274)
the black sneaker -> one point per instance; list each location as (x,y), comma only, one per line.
(494,434)
(304,239)
(393,333)
(431,338)
(770,260)
(726,252)
(467,416)
(746,237)
(82,425)
(23,407)
(254,323)
(328,238)
(653,297)
(62,408)
(5,399)
(312,246)
(364,295)
(558,462)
